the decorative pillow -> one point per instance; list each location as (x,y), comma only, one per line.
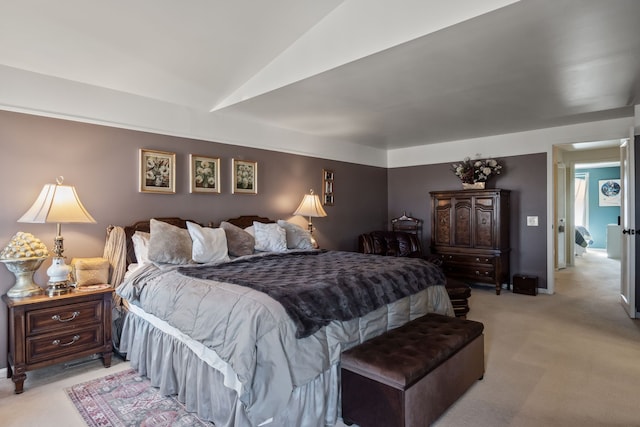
(239,242)
(297,237)
(169,244)
(90,271)
(270,237)
(140,241)
(209,244)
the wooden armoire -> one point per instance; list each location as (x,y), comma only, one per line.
(470,234)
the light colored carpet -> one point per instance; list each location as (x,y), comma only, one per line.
(569,359)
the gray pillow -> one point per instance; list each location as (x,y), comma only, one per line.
(297,237)
(239,241)
(169,244)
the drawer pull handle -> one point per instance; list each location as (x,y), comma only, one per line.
(68,319)
(74,339)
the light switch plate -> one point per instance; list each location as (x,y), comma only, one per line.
(532,221)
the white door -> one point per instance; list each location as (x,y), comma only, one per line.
(627,220)
(561,216)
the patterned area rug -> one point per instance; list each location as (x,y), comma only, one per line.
(126,399)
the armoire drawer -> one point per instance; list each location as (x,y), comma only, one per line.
(468,259)
(470,272)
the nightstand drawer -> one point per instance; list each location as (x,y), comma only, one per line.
(63,317)
(77,340)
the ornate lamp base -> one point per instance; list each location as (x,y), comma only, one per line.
(57,288)
(24,270)
(58,277)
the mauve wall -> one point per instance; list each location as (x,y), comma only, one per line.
(102,163)
(525,176)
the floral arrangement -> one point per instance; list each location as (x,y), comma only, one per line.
(205,174)
(479,170)
(244,176)
(158,171)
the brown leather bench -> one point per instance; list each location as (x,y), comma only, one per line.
(400,243)
(409,376)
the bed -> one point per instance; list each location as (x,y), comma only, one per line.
(240,351)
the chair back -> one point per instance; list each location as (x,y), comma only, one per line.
(407,224)
(390,243)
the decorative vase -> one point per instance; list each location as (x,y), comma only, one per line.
(479,185)
(23,269)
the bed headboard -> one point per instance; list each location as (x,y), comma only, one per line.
(241,221)
(247,220)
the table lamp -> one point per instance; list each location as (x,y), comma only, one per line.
(59,204)
(310,207)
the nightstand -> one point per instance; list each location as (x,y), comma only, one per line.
(47,330)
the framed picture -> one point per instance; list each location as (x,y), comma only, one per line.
(157,171)
(327,187)
(609,192)
(204,174)
(245,177)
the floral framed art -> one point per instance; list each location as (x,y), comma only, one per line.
(245,177)
(204,174)
(157,171)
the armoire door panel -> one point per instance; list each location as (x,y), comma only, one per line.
(484,229)
(462,225)
(442,229)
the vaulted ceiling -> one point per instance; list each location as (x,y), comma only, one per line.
(381,73)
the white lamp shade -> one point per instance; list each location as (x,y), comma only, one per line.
(57,203)
(310,206)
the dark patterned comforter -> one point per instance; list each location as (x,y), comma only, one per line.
(318,287)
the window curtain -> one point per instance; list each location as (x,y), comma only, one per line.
(581,199)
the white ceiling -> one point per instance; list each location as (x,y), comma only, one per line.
(381,73)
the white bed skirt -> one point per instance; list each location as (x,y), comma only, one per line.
(208,386)
(178,366)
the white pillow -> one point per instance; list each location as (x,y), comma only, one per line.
(297,237)
(209,244)
(270,237)
(251,230)
(140,241)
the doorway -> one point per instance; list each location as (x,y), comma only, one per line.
(589,222)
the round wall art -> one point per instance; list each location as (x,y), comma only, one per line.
(609,192)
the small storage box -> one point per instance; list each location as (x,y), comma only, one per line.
(523,284)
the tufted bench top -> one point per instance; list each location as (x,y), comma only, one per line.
(402,356)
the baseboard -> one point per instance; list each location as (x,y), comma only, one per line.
(3,373)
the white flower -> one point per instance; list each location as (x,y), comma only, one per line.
(477,170)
